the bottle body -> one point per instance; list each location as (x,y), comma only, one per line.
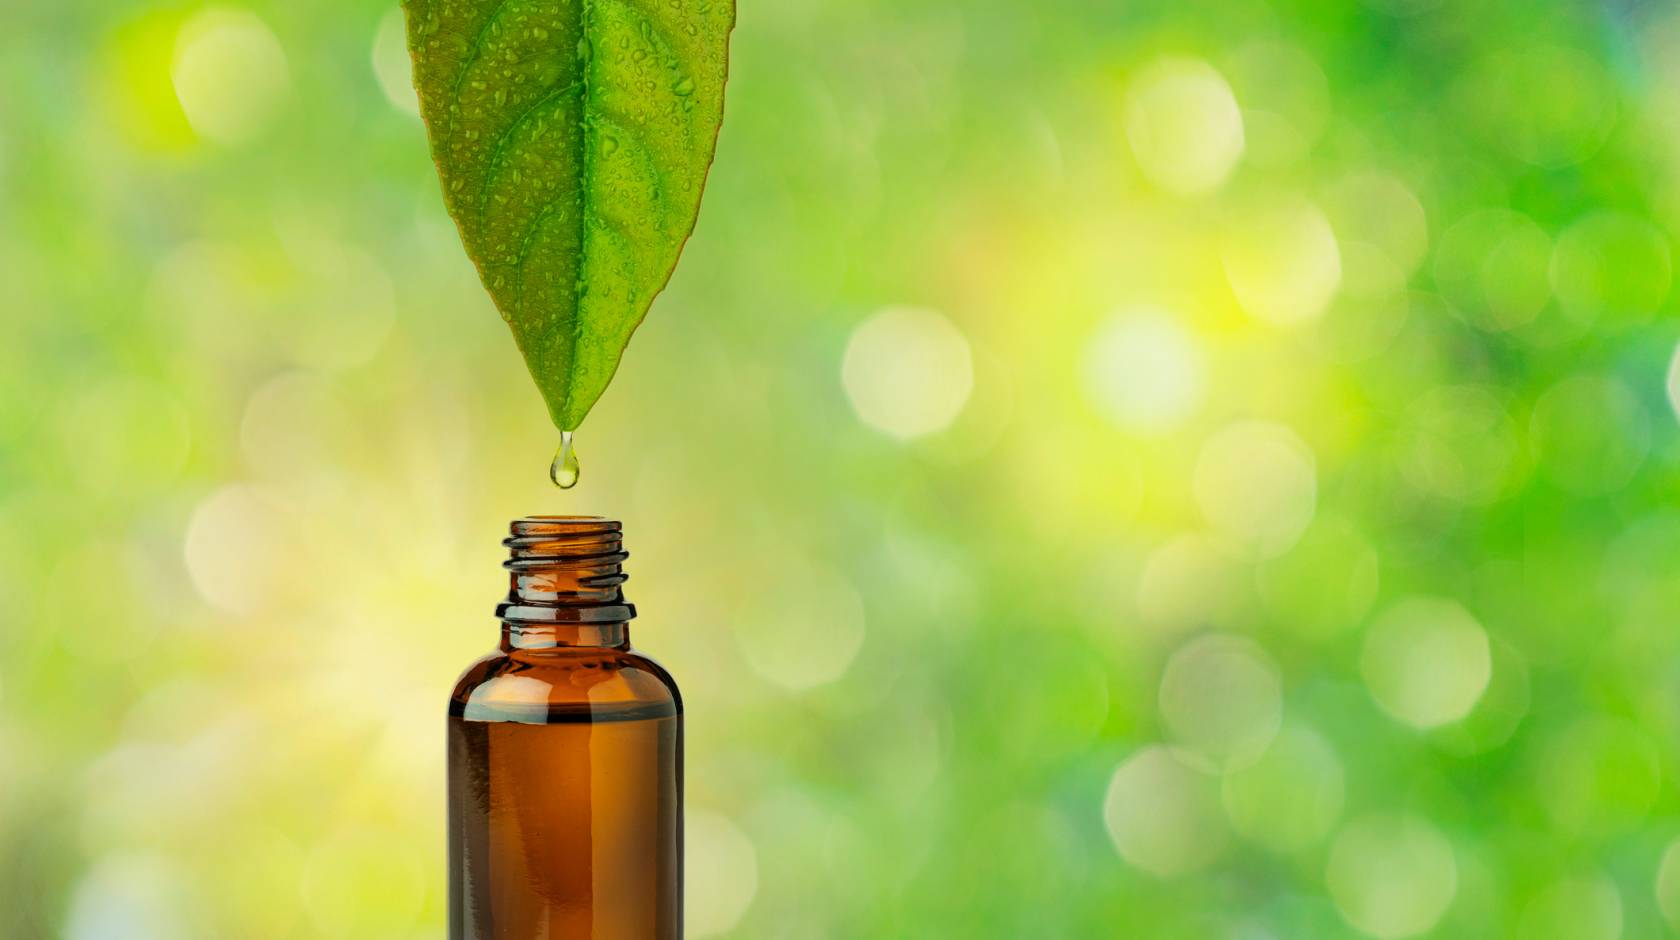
(565,772)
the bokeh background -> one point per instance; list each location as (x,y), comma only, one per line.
(1193,469)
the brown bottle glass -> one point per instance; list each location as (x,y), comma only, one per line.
(565,757)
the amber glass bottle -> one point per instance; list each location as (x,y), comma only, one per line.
(565,757)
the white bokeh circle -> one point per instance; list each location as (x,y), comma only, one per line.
(1426,661)
(1221,701)
(908,372)
(1392,876)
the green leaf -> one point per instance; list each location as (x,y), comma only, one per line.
(573,139)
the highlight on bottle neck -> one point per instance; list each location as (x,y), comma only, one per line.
(565,570)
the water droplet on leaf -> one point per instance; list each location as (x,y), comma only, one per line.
(564,471)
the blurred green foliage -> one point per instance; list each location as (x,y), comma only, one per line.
(1194,469)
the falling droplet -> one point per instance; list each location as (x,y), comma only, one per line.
(564,471)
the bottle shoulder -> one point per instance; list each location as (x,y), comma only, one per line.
(565,684)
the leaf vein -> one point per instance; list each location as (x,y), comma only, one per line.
(471,58)
(656,30)
(492,170)
(529,237)
(661,36)
(618,123)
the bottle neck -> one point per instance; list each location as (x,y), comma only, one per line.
(564,584)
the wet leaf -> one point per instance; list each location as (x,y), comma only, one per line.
(572,138)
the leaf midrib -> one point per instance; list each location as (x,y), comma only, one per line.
(585,164)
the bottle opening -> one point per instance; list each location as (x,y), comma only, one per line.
(565,569)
